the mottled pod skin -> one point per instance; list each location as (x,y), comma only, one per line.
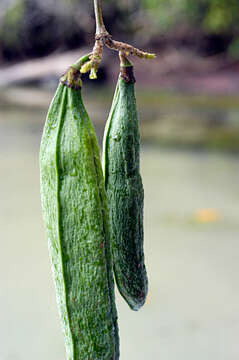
(125,192)
(76,220)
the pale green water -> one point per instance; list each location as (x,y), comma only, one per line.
(192,310)
(167,118)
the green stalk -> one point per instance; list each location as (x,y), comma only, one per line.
(100,26)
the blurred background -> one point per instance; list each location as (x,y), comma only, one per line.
(188,102)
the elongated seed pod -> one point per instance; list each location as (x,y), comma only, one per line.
(76,220)
(125,191)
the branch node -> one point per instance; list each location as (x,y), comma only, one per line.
(103,38)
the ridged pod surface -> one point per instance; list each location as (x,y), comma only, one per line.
(76,220)
(125,192)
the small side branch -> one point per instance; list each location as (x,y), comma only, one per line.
(95,60)
(127,49)
(103,38)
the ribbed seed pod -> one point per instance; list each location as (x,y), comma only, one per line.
(125,191)
(76,220)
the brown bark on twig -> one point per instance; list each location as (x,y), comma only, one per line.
(103,38)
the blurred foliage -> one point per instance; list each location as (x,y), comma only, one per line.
(35,28)
(233,49)
(13,17)
(216,16)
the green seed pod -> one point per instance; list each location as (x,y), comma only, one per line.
(76,220)
(125,191)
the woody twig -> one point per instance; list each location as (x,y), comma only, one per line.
(103,38)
